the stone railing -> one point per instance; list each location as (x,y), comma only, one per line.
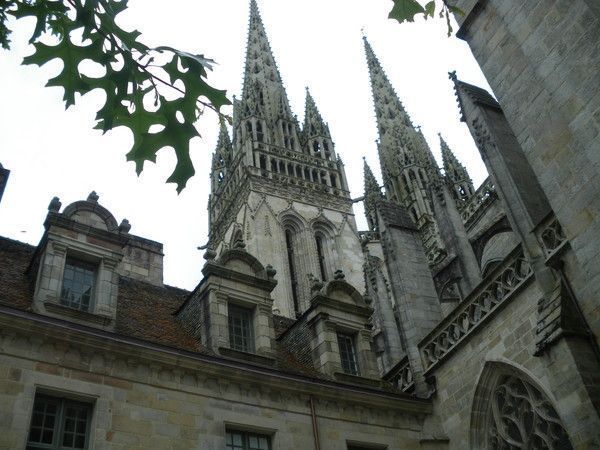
(481,198)
(403,376)
(472,312)
(551,236)
(369,235)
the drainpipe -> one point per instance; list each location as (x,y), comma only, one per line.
(314,425)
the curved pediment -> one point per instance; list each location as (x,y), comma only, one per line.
(90,212)
(243,262)
(344,292)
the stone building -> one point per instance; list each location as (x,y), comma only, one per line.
(462,318)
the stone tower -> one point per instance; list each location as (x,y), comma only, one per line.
(407,164)
(279,189)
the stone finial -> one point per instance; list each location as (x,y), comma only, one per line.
(315,283)
(271,272)
(210,254)
(93,197)
(125,226)
(339,275)
(54,205)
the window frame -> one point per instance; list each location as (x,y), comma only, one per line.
(232,311)
(347,368)
(58,430)
(246,435)
(94,267)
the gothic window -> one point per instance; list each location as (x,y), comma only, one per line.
(242,440)
(327,151)
(333,180)
(298,172)
(306,174)
(260,137)
(249,129)
(240,328)
(316,148)
(78,284)
(321,257)
(282,167)
(263,162)
(273,165)
(348,354)
(288,132)
(511,413)
(58,423)
(315,176)
(290,169)
(521,417)
(289,242)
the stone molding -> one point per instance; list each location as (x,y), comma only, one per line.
(184,370)
(479,306)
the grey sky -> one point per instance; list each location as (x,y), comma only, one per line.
(317,43)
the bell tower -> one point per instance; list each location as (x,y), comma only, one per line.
(279,188)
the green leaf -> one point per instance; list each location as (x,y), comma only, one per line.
(71,56)
(405,10)
(43,11)
(430,9)
(456,10)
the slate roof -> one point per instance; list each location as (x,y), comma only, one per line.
(146,312)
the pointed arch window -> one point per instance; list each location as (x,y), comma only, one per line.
(260,136)
(511,412)
(289,243)
(321,256)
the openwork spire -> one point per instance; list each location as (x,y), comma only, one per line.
(372,195)
(388,107)
(263,93)
(456,174)
(314,125)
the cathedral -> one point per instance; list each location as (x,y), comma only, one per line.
(462,318)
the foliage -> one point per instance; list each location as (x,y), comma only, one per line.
(406,10)
(158,93)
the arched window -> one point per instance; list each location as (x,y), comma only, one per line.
(511,412)
(260,137)
(289,243)
(321,256)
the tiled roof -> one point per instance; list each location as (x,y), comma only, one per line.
(15,287)
(146,312)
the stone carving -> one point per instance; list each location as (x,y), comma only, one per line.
(476,307)
(403,379)
(478,202)
(551,236)
(521,417)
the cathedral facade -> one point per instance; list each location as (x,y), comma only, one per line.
(461,318)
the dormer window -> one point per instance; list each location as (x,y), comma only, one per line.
(78,284)
(348,354)
(241,336)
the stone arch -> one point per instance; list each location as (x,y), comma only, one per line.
(343,291)
(91,213)
(242,261)
(495,249)
(512,411)
(324,233)
(293,226)
(451,292)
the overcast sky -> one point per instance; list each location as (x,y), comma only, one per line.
(317,43)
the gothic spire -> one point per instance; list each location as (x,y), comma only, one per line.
(263,92)
(314,125)
(372,195)
(456,174)
(388,106)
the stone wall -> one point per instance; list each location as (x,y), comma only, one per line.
(143,260)
(542,59)
(508,337)
(149,398)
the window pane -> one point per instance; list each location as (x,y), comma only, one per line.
(348,354)
(240,328)
(78,284)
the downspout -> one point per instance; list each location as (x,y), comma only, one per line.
(315,427)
